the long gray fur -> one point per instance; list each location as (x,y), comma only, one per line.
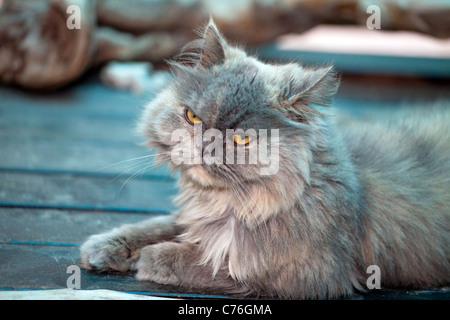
(347,194)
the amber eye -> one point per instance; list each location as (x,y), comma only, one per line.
(239,140)
(191,117)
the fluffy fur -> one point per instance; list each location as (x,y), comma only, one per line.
(347,195)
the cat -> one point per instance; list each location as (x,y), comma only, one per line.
(346,195)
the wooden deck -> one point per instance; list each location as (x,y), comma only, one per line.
(64,175)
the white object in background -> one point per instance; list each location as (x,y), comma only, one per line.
(137,77)
(69,294)
(361,40)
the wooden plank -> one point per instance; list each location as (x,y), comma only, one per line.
(58,227)
(83,128)
(96,192)
(25,267)
(45,267)
(35,266)
(54,125)
(76,156)
(75,120)
(89,99)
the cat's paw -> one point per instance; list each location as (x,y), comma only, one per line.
(104,252)
(156,264)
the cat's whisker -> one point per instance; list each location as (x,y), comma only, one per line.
(140,172)
(123,162)
(130,160)
(130,179)
(133,167)
(149,166)
(144,160)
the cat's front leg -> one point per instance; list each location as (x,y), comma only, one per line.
(157,263)
(119,248)
(177,263)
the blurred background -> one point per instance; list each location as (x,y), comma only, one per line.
(46,44)
(74,75)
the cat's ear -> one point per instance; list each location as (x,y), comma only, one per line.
(213,49)
(308,87)
(313,86)
(205,52)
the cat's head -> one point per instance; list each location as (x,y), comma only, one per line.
(218,88)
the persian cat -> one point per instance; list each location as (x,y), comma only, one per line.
(342,196)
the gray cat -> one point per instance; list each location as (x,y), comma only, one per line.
(346,195)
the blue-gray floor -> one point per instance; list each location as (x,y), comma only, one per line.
(66,173)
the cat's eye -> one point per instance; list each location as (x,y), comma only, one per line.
(191,117)
(240,140)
